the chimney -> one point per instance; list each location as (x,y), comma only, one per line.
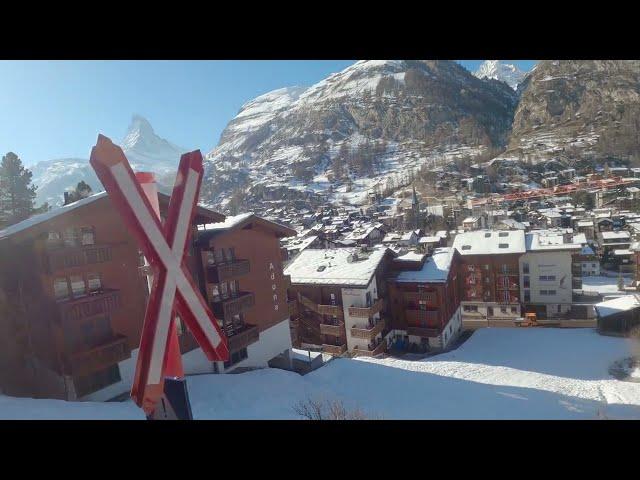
(66,198)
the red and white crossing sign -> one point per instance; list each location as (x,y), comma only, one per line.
(173,290)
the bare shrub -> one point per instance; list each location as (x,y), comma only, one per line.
(318,409)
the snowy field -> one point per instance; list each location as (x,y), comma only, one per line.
(496,374)
(603,285)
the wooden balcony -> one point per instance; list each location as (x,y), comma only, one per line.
(97,358)
(367,312)
(429,318)
(423,331)
(510,285)
(292,306)
(334,349)
(333,310)
(368,332)
(101,303)
(233,305)
(330,329)
(70,257)
(241,339)
(416,297)
(380,348)
(227,271)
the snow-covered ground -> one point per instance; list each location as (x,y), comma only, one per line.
(603,285)
(496,374)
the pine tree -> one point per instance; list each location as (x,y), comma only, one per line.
(17,195)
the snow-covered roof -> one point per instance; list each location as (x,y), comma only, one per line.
(622,252)
(435,269)
(228,223)
(470,220)
(487,242)
(614,235)
(335,266)
(548,240)
(617,305)
(584,223)
(435,239)
(411,257)
(43,217)
(580,238)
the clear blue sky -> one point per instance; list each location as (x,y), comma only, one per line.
(55,109)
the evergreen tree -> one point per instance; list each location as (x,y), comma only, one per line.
(17,195)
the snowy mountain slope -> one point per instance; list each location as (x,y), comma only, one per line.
(498,70)
(145,150)
(415,111)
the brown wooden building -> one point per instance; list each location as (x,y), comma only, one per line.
(424,302)
(73,293)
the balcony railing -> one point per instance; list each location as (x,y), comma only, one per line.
(243,338)
(334,349)
(508,286)
(415,297)
(333,310)
(367,312)
(423,332)
(368,332)
(227,271)
(69,257)
(233,305)
(330,329)
(100,303)
(109,353)
(380,348)
(292,306)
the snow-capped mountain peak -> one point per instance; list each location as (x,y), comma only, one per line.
(145,150)
(498,70)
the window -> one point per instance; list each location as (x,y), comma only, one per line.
(231,254)
(525,268)
(70,237)
(470,308)
(559,309)
(503,245)
(61,288)
(490,311)
(224,294)
(233,287)
(78,287)
(87,236)
(526,282)
(514,309)
(94,282)
(210,258)
(547,292)
(503,309)
(215,293)
(527,296)
(53,239)
(218,255)
(505,268)
(503,234)
(471,268)
(236,357)
(547,278)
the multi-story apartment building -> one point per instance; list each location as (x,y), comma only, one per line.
(547,272)
(424,303)
(73,293)
(338,299)
(489,277)
(241,276)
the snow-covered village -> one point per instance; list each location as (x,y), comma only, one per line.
(399,240)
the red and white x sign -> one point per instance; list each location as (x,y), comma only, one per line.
(165,247)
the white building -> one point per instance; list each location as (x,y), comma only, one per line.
(546,280)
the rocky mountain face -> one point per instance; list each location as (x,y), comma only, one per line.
(145,150)
(575,109)
(499,70)
(382,119)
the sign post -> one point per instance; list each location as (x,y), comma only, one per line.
(173,289)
